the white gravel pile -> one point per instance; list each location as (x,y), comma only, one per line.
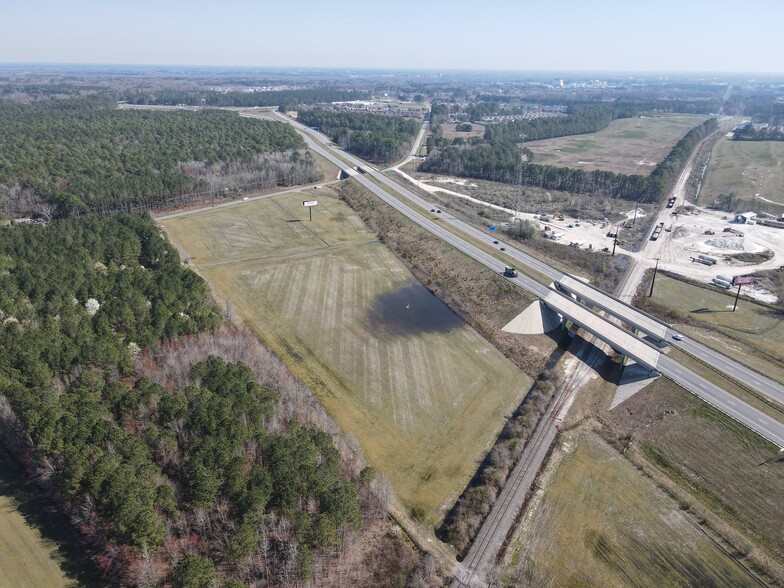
(734,243)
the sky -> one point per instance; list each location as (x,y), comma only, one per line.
(565,35)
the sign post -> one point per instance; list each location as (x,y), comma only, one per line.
(740,281)
(309,204)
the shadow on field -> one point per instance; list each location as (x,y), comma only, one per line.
(40,514)
(411,309)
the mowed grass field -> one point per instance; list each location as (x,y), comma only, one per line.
(627,146)
(746,168)
(601,523)
(733,472)
(425,405)
(27,559)
(752,327)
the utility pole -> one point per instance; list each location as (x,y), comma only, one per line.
(653,280)
(518,204)
(615,241)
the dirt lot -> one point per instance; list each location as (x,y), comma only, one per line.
(687,239)
(749,169)
(424,397)
(682,240)
(626,146)
(599,522)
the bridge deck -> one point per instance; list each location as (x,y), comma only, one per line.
(618,338)
(627,314)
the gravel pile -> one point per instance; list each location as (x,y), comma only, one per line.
(734,243)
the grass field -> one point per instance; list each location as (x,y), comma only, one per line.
(751,328)
(747,168)
(424,396)
(450,132)
(628,146)
(729,469)
(26,557)
(601,523)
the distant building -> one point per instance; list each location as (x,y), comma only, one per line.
(746,218)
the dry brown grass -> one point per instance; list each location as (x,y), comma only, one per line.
(626,146)
(424,407)
(481,297)
(717,465)
(599,522)
(449,131)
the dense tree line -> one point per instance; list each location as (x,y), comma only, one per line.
(80,154)
(582,117)
(371,136)
(38,92)
(145,469)
(499,161)
(749,133)
(764,106)
(283,99)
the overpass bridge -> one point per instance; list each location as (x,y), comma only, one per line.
(639,320)
(615,336)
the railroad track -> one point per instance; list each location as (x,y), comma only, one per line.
(493,533)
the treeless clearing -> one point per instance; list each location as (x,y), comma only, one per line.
(450,132)
(746,168)
(424,403)
(625,146)
(600,523)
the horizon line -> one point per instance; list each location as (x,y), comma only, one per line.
(349,69)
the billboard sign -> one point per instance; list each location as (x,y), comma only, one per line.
(309,202)
(742,280)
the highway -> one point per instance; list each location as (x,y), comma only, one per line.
(728,366)
(755,420)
